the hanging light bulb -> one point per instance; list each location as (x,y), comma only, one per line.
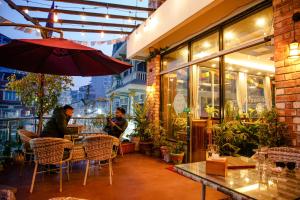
(38,30)
(82,34)
(107,16)
(55,17)
(82,17)
(129,20)
(102,34)
(26,11)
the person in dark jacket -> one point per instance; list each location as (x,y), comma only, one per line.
(117,125)
(57,125)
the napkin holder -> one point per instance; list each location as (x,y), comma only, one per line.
(216,166)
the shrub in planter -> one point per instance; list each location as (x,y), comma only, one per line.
(177,152)
(135,139)
(127,147)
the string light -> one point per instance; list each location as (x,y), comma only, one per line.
(102,34)
(107,16)
(38,30)
(82,16)
(26,11)
(82,34)
(55,17)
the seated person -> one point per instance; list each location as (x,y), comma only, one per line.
(117,125)
(57,125)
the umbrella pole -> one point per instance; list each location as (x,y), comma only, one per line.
(41,102)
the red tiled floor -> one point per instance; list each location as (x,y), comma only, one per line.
(136,177)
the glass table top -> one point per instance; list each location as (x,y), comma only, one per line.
(251,183)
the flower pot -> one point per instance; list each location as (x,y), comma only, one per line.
(146,147)
(136,141)
(177,158)
(165,152)
(156,152)
(128,147)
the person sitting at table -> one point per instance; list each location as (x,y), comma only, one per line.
(57,125)
(116,126)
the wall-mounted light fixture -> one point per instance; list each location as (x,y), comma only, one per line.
(294,47)
(150,89)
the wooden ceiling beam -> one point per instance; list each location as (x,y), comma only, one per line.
(72,12)
(92,31)
(109,5)
(65,21)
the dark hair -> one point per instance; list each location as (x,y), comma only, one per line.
(122,110)
(66,107)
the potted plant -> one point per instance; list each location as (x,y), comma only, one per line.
(143,129)
(159,139)
(211,111)
(135,139)
(179,122)
(177,152)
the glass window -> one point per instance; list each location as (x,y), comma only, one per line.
(175,58)
(253,27)
(10,96)
(175,102)
(248,77)
(205,46)
(205,87)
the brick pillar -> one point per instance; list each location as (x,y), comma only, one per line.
(287,75)
(153,82)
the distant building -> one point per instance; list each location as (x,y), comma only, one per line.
(130,85)
(10,104)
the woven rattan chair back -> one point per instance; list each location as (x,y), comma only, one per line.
(284,154)
(48,150)
(98,147)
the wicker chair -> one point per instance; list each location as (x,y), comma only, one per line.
(98,148)
(25,137)
(284,154)
(50,151)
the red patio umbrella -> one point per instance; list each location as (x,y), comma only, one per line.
(58,56)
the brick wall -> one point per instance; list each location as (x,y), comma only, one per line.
(287,76)
(153,80)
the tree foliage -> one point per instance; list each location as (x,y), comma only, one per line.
(29,89)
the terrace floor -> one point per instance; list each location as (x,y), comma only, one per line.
(136,176)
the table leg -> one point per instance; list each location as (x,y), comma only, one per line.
(203,192)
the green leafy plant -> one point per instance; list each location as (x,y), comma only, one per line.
(236,137)
(211,111)
(179,122)
(177,147)
(143,129)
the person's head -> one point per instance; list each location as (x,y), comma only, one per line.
(68,110)
(120,112)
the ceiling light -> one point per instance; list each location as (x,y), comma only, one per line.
(206,45)
(229,35)
(260,22)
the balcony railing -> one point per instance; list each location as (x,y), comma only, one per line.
(137,75)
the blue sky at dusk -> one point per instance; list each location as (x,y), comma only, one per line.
(14,16)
